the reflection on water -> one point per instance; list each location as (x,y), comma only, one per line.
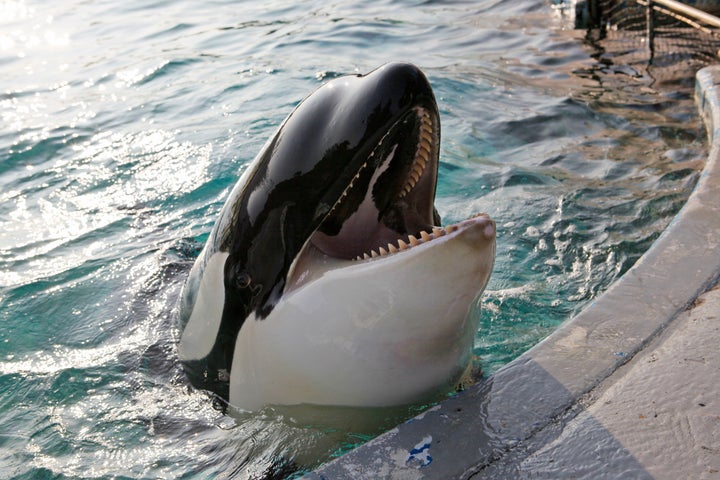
(111,175)
(123,127)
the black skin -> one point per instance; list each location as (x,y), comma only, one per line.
(299,176)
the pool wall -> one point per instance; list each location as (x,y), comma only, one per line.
(535,403)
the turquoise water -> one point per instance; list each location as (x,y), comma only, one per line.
(123,125)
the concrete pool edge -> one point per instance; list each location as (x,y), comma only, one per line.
(527,404)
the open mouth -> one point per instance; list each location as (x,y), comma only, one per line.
(388,206)
(425,237)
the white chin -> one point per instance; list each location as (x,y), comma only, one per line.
(386,331)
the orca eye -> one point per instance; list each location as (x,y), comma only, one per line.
(243,280)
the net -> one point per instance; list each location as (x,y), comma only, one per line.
(664,39)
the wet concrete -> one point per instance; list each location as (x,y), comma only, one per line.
(629,388)
(658,416)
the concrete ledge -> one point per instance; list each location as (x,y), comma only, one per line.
(530,403)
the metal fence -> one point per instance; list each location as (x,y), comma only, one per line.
(672,40)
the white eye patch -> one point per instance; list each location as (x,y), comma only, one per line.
(202,328)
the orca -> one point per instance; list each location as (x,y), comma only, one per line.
(328,278)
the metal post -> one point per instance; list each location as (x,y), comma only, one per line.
(594,13)
(650,22)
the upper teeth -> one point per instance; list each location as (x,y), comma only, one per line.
(422,155)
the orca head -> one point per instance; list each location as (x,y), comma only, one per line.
(348,178)
(353,167)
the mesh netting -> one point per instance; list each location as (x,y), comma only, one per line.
(662,42)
